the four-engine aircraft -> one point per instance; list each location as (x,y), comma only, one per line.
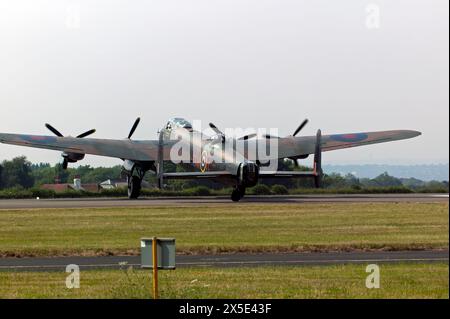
(225,159)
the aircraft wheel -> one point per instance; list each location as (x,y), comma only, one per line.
(242,192)
(236,195)
(134,187)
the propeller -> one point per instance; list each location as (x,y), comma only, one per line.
(58,133)
(87,133)
(268,136)
(136,123)
(217,131)
(72,156)
(248,136)
(54,130)
(300,127)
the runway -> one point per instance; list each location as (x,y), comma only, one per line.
(219,200)
(228,260)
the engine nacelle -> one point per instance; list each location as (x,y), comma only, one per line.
(72,157)
(128,166)
(248,173)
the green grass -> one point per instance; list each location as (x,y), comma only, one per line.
(343,281)
(226,228)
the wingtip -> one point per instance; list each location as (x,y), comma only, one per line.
(409,133)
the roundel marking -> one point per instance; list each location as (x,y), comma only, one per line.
(43,139)
(357,137)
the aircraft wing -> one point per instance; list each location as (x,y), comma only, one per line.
(298,146)
(125,149)
(148,150)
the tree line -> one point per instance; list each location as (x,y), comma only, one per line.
(21,173)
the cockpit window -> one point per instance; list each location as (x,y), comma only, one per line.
(178,122)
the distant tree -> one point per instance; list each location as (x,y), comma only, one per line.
(412,182)
(43,173)
(365,181)
(435,185)
(40,166)
(385,180)
(352,181)
(81,171)
(61,174)
(100,174)
(17,173)
(334,180)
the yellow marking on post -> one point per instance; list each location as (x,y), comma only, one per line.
(155,267)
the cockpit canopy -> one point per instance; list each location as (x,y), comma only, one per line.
(178,122)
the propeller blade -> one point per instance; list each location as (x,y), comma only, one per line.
(301,126)
(269,136)
(54,130)
(134,127)
(246,137)
(215,129)
(86,133)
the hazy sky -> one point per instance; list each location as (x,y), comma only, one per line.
(346,65)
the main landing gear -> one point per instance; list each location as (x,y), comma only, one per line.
(237,193)
(134,182)
(134,187)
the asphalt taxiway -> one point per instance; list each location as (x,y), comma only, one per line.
(208,200)
(230,260)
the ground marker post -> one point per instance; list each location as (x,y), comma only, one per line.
(157,253)
(155,269)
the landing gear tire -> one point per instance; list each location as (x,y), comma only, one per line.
(134,187)
(242,192)
(237,194)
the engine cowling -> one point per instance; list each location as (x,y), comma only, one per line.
(130,167)
(72,157)
(248,173)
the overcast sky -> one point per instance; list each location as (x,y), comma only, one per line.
(347,65)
